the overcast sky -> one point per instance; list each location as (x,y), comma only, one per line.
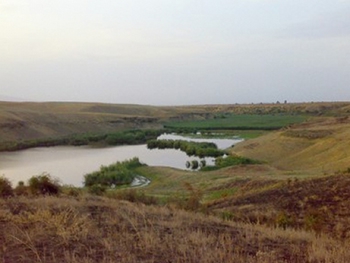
(175,52)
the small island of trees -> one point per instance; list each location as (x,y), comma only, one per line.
(200,149)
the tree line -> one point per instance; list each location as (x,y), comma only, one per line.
(129,137)
(200,149)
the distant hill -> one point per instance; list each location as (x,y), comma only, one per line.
(34,120)
(9,98)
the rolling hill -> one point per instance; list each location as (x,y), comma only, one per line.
(321,145)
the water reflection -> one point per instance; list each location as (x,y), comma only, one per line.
(69,164)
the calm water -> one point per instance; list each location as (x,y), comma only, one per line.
(69,164)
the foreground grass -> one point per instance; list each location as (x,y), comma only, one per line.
(259,194)
(96,229)
(237,214)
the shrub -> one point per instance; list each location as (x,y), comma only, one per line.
(97,189)
(71,191)
(43,185)
(234,160)
(227,215)
(193,202)
(314,221)
(119,173)
(5,188)
(284,220)
(21,189)
(133,195)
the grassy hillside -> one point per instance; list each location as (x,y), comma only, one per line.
(91,229)
(42,120)
(321,145)
(260,194)
(319,205)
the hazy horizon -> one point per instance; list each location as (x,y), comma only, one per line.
(21,100)
(163,52)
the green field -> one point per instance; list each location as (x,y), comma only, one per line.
(240,122)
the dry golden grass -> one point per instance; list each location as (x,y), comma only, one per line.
(319,205)
(91,229)
(321,146)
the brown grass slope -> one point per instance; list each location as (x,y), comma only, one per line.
(91,229)
(321,145)
(318,204)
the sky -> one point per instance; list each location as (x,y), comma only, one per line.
(166,52)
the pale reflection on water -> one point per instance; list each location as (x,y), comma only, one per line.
(69,164)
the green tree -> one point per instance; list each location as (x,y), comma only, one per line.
(119,173)
(194,165)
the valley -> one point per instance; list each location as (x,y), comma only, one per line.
(291,206)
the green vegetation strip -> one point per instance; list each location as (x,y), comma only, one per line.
(130,137)
(240,122)
(231,160)
(200,149)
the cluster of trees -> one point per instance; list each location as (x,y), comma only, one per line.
(200,149)
(42,184)
(232,160)
(119,173)
(132,137)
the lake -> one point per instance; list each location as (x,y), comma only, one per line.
(69,164)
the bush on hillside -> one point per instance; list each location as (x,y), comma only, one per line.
(5,188)
(119,173)
(97,189)
(234,160)
(44,184)
(21,189)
